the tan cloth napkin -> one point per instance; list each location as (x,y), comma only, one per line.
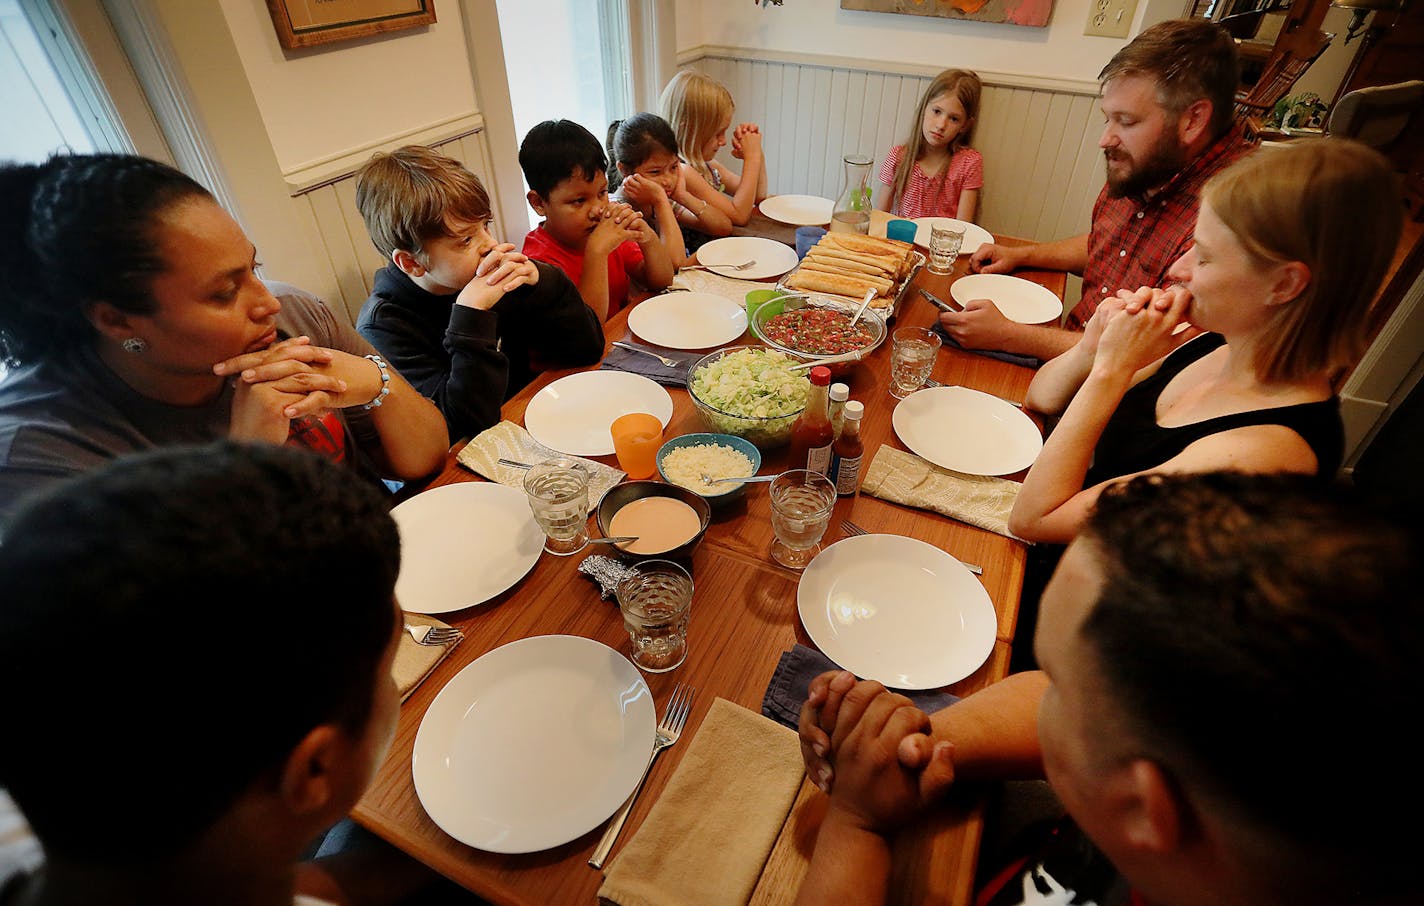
(414,661)
(979,500)
(718,285)
(706,840)
(508,440)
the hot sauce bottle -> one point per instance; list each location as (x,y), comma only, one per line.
(812,435)
(839,394)
(848,451)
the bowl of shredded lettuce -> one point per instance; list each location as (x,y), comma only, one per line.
(750,392)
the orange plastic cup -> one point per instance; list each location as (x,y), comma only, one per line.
(636,439)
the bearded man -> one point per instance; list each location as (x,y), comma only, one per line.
(1168,101)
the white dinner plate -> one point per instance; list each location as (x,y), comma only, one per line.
(974,235)
(689,320)
(533,744)
(573,414)
(772,258)
(798,210)
(897,610)
(1020,300)
(967,431)
(463,544)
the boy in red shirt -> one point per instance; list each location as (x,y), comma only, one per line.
(601,246)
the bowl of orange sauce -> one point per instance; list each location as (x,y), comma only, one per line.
(668,519)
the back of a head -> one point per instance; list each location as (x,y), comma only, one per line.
(1189,59)
(555,150)
(694,104)
(412,194)
(76,230)
(1262,636)
(179,573)
(1332,204)
(632,141)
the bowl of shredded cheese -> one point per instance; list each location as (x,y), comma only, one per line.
(684,460)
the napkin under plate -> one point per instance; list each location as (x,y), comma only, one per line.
(906,479)
(507,440)
(414,661)
(718,285)
(791,682)
(619,359)
(708,836)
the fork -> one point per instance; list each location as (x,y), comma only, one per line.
(671,363)
(669,729)
(434,635)
(849,528)
(931,382)
(722,267)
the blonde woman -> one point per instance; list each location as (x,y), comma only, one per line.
(935,173)
(1274,293)
(699,108)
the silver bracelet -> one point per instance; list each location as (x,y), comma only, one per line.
(385,382)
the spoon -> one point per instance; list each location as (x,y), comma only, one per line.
(616,539)
(869,294)
(708,479)
(829,360)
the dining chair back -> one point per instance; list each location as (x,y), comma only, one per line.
(1281,71)
(1377,115)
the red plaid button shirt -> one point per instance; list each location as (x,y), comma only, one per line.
(1135,239)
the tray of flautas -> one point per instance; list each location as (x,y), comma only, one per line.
(842,267)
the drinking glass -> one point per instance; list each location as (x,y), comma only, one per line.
(558,496)
(912,358)
(944,248)
(655,599)
(903,230)
(801,504)
(636,439)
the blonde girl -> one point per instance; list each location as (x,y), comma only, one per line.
(935,173)
(699,108)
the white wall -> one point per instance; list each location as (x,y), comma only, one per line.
(821,27)
(321,102)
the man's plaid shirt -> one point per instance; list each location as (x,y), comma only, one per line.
(1135,239)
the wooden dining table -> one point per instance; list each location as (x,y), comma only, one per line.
(744,616)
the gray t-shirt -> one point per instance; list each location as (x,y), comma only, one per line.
(71,413)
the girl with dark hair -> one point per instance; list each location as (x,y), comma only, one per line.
(133,317)
(645,171)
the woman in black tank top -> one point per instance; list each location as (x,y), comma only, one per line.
(1278,281)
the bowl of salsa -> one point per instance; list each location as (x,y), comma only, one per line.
(814,331)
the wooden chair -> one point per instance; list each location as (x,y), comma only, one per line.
(1282,70)
(1377,115)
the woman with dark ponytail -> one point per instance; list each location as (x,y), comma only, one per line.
(131,317)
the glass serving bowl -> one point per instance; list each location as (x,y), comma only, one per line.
(765,433)
(765,312)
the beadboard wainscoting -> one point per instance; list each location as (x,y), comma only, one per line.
(324,196)
(1039,137)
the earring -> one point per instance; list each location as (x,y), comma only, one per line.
(135,345)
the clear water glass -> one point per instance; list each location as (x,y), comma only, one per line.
(656,600)
(558,497)
(801,505)
(945,242)
(912,358)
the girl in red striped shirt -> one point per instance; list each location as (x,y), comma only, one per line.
(934,173)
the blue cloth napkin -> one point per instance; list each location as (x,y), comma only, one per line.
(619,359)
(1012,358)
(806,237)
(791,681)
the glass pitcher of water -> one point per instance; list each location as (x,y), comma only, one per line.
(852,211)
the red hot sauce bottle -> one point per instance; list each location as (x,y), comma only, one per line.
(812,435)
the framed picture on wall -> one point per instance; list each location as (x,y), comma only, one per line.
(1013,12)
(302,23)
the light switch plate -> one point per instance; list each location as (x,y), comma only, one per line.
(1110,18)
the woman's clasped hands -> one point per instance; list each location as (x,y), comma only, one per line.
(1138,327)
(294,379)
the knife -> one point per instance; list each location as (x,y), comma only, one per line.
(939,303)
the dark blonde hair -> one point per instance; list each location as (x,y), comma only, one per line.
(694,105)
(1189,59)
(409,196)
(966,88)
(1302,202)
